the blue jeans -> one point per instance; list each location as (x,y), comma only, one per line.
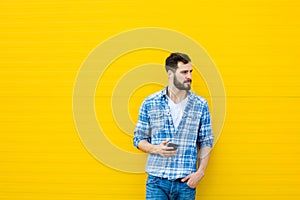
(164,189)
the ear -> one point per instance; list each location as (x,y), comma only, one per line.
(170,73)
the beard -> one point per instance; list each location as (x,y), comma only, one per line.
(181,86)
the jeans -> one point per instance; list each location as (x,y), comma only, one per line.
(164,189)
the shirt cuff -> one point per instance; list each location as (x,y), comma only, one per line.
(207,143)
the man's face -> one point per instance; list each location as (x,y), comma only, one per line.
(183,76)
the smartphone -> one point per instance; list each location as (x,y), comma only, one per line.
(175,146)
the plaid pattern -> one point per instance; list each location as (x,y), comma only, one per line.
(194,131)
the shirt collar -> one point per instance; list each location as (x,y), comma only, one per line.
(163,93)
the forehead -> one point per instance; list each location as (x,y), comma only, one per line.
(182,66)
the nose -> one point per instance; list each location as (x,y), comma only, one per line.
(189,75)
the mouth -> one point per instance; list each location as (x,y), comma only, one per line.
(188,81)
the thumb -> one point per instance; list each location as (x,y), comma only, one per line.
(185,178)
(165,142)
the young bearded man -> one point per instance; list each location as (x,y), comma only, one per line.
(173,125)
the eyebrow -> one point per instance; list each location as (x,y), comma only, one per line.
(185,71)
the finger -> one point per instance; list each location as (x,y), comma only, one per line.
(185,178)
(165,142)
(169,153)
(170,149)
(173,151)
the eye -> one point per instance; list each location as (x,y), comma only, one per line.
(186,72)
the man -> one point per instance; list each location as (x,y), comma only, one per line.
(174,116)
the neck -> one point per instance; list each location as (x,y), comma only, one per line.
(176,95)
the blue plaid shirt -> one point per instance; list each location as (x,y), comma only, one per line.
(155,125)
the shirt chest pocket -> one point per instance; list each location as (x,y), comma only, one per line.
(192,121)
(157,121)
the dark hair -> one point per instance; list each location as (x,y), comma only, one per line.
(174,58)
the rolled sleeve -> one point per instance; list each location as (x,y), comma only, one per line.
(142,129)
(205,137)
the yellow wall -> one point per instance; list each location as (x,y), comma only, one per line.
(254,44)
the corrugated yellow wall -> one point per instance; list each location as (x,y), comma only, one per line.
(255,45)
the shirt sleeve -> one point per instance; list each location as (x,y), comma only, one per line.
(205,136)
(142,129)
